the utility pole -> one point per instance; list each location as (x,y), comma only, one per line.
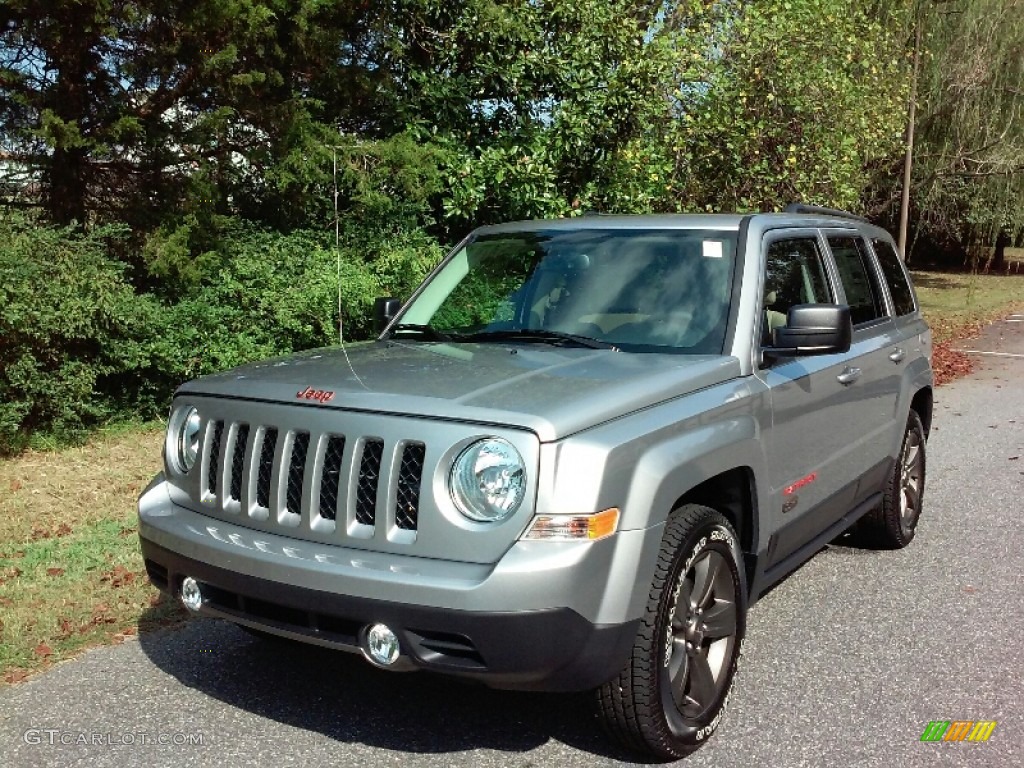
(908,160)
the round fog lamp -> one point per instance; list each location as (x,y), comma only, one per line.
(191,594)
(381,645)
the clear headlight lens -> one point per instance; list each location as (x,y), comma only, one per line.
(187,439)
(488,480)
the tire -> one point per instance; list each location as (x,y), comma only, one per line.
(893,524)
(673,691)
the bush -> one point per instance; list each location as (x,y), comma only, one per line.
(278,293)
(78,346)
(71,331)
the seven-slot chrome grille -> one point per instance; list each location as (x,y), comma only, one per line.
(287,476)
(338,483)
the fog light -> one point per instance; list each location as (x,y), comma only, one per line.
(191,594)
(381,646)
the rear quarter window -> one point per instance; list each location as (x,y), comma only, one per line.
(895,276)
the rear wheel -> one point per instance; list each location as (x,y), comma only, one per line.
(672,693)
(893,524)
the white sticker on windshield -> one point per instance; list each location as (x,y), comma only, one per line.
(712,249)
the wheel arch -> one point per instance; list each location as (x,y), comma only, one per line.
(922,404)
(731,492)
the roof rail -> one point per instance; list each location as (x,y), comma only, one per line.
(803,208)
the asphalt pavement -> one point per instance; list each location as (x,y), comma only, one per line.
(845,663)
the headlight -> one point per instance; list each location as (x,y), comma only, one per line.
(186,441)
(488,480)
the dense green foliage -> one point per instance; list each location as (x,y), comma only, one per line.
(79,346)
(441,115)
(189,163)
(72,332)
(969,174)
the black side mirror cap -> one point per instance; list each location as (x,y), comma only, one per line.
(384,311)
(813,329)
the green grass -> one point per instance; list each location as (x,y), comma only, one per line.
(956,304)
(70,571)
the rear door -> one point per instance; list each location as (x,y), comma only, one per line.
(872,373)
(910,326)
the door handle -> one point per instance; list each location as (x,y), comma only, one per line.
(848,376)
(897,355)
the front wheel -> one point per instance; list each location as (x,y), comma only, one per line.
(672,693)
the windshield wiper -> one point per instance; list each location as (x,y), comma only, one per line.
(541,335)
(427,331)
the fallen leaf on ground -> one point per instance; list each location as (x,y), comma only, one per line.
(15,676)
(54,571)
(99,617)
(948,364)
(119,576)
(43,650)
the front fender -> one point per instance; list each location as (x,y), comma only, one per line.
(643,464)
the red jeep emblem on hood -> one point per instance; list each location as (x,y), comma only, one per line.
(321,395)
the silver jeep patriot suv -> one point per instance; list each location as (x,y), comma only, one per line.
(571,460)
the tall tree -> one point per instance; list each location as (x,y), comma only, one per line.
(969,163)
(116,104)
(793,100)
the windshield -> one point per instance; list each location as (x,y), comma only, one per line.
(633,290)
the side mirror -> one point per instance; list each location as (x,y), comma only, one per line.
(813,329)
(384,311)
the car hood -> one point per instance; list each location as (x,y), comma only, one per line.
(553,391)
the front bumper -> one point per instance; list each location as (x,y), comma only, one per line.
(534,621)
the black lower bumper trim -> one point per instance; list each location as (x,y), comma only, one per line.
(553,649)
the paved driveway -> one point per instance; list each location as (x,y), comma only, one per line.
(845,662)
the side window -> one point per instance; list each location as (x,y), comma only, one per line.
(895,276)
(794,274)
(863,293)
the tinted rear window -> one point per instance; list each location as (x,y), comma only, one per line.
(895,276)
(863,293)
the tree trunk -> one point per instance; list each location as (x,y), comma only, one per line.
(908,160)
(74,60)
(999,257)
(65,187)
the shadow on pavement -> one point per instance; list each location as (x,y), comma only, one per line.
(343,698)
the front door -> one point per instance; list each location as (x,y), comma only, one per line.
(812,485)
